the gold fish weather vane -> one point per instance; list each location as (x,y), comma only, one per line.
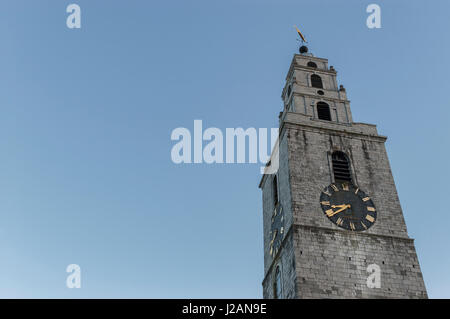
(301,35)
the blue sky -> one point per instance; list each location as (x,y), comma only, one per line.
(86,117)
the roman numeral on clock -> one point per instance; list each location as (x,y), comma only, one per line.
(326,192)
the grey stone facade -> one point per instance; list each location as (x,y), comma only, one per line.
(317,259)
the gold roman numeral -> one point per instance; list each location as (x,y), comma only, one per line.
(370,218)
(345,187)
(326,192)
(340,222)
(335,188)
(329,212)
(371,209)
(365,227)
(365,199)
(357,190)
(352,226)
(325,203)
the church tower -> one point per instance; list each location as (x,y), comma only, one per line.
(333,225)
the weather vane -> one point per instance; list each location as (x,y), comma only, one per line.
(303,48)
(301,35)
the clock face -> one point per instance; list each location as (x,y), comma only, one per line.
(348,207)
(276,230)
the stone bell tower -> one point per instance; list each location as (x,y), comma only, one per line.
(333,225)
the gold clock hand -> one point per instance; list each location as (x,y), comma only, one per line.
(336,206)
(339,210)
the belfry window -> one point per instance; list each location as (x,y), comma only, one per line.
(275,190)
(341,167)
(311,64)
(316,81)
(277,284)
(323,111)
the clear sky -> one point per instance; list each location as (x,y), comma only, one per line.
(86,115)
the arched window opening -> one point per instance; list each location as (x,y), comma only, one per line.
(277,284)
(311,64)
(323,111)
(341,167)
(275,190)
(316,81)
(289,91)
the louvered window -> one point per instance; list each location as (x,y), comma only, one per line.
(316,81)
(323,111)
(341,167)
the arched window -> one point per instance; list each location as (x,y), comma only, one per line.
(323,111)
(316,81)
(289,91)
(311,64)
(341,167)
(275,190)
(277,284)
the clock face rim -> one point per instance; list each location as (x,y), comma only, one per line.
(363,206)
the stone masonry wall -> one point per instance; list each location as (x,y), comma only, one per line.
(331,262)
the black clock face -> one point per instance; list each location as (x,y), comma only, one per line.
(348,207)
(276,230)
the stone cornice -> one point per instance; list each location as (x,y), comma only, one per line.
(348,232)
(310,57)
(318,129)
(314,70)
(308,123)
(320,97)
